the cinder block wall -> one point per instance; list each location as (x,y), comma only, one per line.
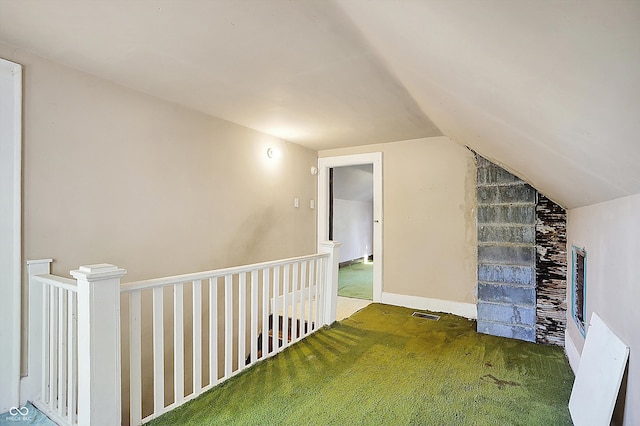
(506,254)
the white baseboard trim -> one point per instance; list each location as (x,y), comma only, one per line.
(571,350)
(467,310)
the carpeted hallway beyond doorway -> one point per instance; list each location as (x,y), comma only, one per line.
(382,366)
(356,281)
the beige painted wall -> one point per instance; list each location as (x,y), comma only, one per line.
(430,236)
(112,175)
(610,232)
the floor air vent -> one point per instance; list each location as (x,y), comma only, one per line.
(425,316)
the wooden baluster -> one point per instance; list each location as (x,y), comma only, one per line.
(178,343)
(312,274)
(62,352)
(158,350)
(294,303)
(53,342)
(135,359)
(254,316)
(242,319)
(285,306)
(72,359)
(228,326)
(197,336)
(46,337)
(265,312)
(275,312)
(303,294)
(213,331)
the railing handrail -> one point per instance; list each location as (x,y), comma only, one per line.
(215,273)
(64,345)
(57,281)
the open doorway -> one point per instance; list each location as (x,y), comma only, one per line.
(351,223)
(372,161)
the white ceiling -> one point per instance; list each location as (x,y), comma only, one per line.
(551,90)
(296,70)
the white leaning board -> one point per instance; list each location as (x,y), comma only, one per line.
(602,364)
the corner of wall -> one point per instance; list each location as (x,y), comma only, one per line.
(572,352)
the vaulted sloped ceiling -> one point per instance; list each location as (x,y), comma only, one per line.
(298,70)
(550,90)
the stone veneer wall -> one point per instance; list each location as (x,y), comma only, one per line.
(506,254)
(551,271)
(521,259)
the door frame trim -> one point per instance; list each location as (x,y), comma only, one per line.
(375,158)
(11,230)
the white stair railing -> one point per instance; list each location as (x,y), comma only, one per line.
(230,319)
(52,342)
(226,319)
(74,344)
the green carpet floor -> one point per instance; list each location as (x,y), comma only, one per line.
(382,366)
(356,281)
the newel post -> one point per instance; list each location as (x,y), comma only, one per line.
(331,294)
(99,344)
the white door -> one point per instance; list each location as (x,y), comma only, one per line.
(10,232)
(324,164)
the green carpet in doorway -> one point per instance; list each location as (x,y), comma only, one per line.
(382,366)
(356,281)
